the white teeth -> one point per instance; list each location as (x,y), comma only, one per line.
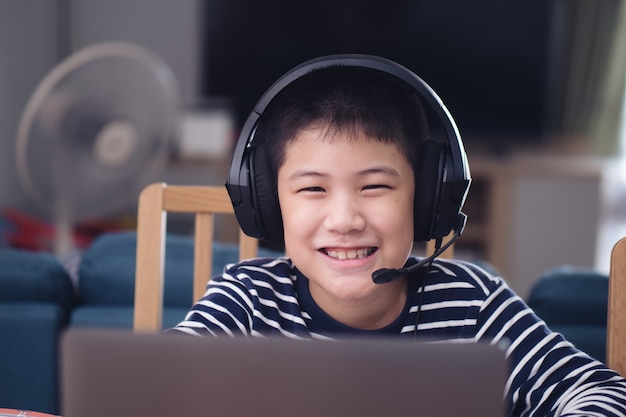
(348,254)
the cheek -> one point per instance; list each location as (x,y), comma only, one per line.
(399,218)
(298,228)
(297,217)
(402,219)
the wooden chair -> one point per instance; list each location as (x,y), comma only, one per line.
(447,254)
(616,326)
(155,201)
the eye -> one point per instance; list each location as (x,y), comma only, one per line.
(376,186)
(311,190)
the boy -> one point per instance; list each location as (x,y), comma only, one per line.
(347,149)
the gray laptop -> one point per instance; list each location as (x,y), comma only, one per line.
(108,373)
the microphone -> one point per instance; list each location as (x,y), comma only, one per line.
(386,275)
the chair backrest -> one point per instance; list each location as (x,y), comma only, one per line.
(447,254)
(616,326)
(155,201)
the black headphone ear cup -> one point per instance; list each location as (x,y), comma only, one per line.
(427,190)
(265,196)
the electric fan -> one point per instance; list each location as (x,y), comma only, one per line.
(95,131)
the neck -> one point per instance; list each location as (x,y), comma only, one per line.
(370,313)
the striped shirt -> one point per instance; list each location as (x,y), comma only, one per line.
(455,301)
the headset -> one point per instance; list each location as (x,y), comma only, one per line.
(442,180)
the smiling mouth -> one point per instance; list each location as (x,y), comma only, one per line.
(344,254)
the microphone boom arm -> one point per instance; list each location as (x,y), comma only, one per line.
(386,275)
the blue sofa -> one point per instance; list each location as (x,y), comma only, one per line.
(38,300)
(106,286)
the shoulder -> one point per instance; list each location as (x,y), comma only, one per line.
(467,280)
(279,266)
(277,274)
(465,274)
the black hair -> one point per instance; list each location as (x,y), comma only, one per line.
(346,99)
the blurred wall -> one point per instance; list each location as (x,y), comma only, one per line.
(34,34)
(172,29)
(28,49)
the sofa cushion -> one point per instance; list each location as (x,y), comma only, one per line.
(568,295)
(34,276)
(573,301)
(107,270)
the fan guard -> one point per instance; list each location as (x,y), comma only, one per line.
(96,130)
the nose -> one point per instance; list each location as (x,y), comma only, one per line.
(344,215)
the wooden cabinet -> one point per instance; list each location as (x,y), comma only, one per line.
(530,213)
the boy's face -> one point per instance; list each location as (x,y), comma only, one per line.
(347,207)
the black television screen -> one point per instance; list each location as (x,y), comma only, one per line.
(488,60)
